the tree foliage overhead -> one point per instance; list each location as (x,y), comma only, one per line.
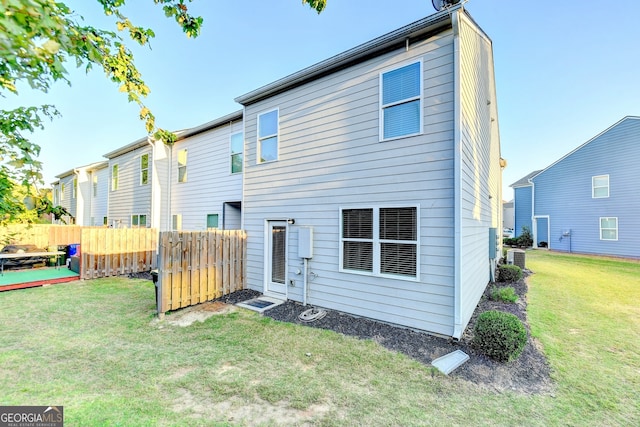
(39,39)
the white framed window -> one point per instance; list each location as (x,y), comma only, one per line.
(114,177)
(235,148)
(144,169)
(56,196)
(600,186)
(94,185)
(401,101)
(182,165)
(74,189)
(380,241)
(212,221)
(139,221)
(608,228)
(176,222)
(268,136)
(61,191)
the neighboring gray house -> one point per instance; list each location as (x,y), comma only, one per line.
(587,201)
(508,215)
(65,196)
(130,177)
(381,167)
(206,175)
(75,191)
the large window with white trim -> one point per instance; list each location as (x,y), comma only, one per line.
(144,169)
(401,102)
(182,165)
(381,241)
(608,228)
(268,136)
(74,189)
(114,177)
(600,186)
(235,148)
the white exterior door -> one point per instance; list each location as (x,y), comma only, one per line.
(276,259)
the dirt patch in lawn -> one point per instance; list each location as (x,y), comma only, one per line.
(529,374)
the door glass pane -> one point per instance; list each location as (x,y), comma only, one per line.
(278,239)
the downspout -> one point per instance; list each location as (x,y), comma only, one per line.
(457,164)
(76,174)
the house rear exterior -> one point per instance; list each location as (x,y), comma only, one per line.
(587,201)
(380,167)
(523,203)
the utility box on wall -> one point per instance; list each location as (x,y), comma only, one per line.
(305,242)
(493,243)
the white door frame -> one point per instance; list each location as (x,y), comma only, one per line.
(267,258)
(535,230)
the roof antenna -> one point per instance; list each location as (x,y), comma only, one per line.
(443,4)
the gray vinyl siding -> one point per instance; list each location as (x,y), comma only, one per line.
(100,202)
(330,157)
(564,192)
(480,175)
(68,201)
(210,182)
(130,198)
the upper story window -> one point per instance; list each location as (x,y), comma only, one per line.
(75,188)
(144,169)
(380,241)
(61,191)
(94,185)
(182,165)
(609,228)
(600,186)
(401,102)
(114,177)
(56,196)
(268,136)
(236,145)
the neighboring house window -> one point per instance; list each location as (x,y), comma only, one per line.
(609,228)
(182,165)
(268,136)
(176,222)
(401,101)
(94,183)
(212,221)
(61,192)
(236,152)
(114,177)
(600,186)
(144,169)
(105,220)
(139,221)
(56,197)
(75,188)
(380,241)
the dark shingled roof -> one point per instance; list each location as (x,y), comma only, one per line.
(524,181)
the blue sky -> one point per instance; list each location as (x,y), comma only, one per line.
(565,70)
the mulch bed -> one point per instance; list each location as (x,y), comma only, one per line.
(529,374)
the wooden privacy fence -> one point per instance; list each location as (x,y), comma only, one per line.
(199,266)
(40,235)
(109,252)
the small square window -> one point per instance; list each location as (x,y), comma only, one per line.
(212,221)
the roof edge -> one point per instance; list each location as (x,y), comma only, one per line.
(434,22)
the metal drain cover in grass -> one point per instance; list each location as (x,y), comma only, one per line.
(260,304)
(449,362)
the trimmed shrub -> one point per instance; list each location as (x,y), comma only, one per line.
(509,273)
(524,239)
(510,241)
(499,335)
(506,294)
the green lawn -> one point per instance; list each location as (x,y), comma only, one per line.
(96,348)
